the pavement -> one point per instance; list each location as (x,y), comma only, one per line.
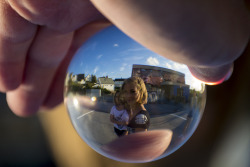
(94,126)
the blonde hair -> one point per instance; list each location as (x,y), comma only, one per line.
(118,99)
(139,83)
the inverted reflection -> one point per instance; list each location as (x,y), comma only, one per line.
(128,103)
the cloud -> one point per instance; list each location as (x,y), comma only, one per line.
(176,66)
(194,83)
(122,68)
(116,45)
(133,58)
(169,66)
(96,69)
(153,61)
(98,57)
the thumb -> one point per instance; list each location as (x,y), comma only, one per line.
(212,75)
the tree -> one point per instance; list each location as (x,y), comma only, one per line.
(106,91)
(76,88)
(89,85)
(94,80)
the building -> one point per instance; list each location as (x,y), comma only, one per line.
(106,83)
(74,78)
(118,82)
(162,84)
(79,78)
(82,82)
(88,78)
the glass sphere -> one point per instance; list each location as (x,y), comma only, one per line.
(129,103)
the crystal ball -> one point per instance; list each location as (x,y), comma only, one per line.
(129,103)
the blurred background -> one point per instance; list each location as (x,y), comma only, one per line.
(222,139)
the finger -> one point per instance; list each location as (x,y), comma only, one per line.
(16,35)
(196,33)
(55,95)
(212,75)
(139,147)
(63,16)
(44,57)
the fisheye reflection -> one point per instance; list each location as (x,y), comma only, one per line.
(119,116)
(131,110)
(135,96)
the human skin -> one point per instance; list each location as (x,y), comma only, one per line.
(139,147)
(205,35)
(38,39)
(132,96)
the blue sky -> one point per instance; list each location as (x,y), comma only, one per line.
(112,53)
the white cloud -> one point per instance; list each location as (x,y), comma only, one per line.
(133,58)
(116,45)
(195,84)
(153,61)
(122,68)
(95,70)
(178,66)
(99,56)
(169,66)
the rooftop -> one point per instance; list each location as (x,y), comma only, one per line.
(105,80)
(157,68)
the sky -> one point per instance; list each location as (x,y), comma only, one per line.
(112,53)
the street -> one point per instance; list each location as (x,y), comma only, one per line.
(94,126)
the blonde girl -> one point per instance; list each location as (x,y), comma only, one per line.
(135,96)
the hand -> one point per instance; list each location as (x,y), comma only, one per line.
(37,41)
(206,35)
(139,147)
